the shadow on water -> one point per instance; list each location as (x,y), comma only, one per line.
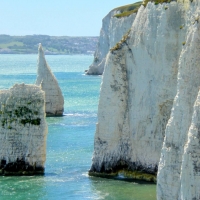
(124,179)
(50,174)
(120,188)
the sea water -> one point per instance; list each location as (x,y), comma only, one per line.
(70,138)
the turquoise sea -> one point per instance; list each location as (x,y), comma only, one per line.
(70,138)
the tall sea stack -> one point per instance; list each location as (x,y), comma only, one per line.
(54,101)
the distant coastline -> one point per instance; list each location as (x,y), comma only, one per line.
(53,45)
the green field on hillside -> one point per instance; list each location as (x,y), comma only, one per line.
(52,44)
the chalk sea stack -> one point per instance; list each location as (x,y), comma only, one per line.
(54,101)
(23,130)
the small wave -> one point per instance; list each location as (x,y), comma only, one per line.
(84,124)
(61,180)
(69,114)
(85,174)
(74,125)
(81,114)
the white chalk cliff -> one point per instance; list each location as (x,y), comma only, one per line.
(112,30)
(179,166)
(45,78)
(23,130)
(137,92)
(149,101)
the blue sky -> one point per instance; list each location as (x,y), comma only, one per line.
(55,17)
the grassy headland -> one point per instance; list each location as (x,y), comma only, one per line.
(127,10)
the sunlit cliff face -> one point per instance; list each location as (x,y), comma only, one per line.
(54,101)
(148,91)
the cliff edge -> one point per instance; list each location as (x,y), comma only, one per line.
(114,25)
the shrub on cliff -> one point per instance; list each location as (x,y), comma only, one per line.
(156,1)
(127,10)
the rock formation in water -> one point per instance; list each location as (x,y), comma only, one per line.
(149,94)
(113,28)
(137,92)
(23,130)
(54,101)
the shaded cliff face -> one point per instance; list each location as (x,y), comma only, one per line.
(23,130)
(53,96)
(179,164)
(137,92)
(112,30)
(190,169)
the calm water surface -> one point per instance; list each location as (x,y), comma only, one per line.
(70,138)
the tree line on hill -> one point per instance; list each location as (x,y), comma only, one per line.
(52,44)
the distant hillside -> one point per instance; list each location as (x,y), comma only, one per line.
(52,44)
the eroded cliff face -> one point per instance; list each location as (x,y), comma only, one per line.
(23,130)
(190,169)
(112,30)
(179,164)
(54,101)
(137,92)
(149,101)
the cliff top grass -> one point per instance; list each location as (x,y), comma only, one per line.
(157,1)
(127,10)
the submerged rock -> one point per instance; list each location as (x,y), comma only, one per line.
(54,101)
(23,130)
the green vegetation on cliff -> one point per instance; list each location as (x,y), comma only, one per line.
(157,1)
(53,44)
(121,42)
(127,10)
